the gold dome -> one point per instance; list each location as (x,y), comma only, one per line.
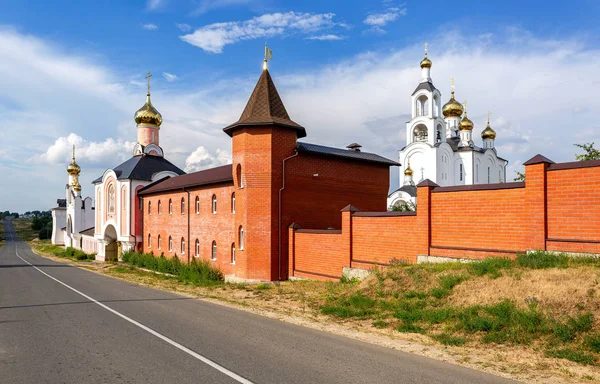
(73,169)
(148,114)
(408,171)
(426,63)
(488,132)
(76,185)
(465,124)
(452,108)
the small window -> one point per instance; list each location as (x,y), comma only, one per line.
(477,172)
(233,202)
(170,244)
(233,253)
(461,172)
(182,206)
(197,248)
(149,241)
(214,204)
(241,237)
(158,241)
(170,207)
(182,246)
(149,207)
(159,204)
(214,250)
(238,176)
(488,175)
(197,205)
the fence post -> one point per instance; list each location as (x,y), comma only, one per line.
(347,213)
(292,248)
(536,201)
(424,189)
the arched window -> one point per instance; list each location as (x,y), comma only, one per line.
(420,133)
(197,248)
(238,176)
(149,207)
(111,198)
(170,207)
(182,246)
(170,244)
(214,204)
(233,253)
(241,237)
(214,250)
(197,205)
(439,134)
(182,206)
(159,207)
(422,106)
(233,202)
(158,241)
(149,241)
(436,106)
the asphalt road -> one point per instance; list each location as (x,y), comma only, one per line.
(60,324)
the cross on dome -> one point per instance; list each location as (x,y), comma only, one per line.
(148,76)
(425,46)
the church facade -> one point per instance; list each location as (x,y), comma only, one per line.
(440,145)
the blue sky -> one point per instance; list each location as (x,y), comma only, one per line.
(73,72)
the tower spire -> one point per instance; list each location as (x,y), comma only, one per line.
(268,56)
(148,76)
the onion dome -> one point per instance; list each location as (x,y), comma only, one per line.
(408,171)
(426,63)
(76,185)
(73,169)
(452,108)
(148,114)
(488,132)
(465,124)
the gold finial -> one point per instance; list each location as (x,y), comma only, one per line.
(268,56)
(73,152)
(452,82)
(425,46)
(148,76)
(489,114)
(465,105)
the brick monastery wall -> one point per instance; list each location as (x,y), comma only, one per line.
(556,209)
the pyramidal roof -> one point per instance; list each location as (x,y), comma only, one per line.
(265,108)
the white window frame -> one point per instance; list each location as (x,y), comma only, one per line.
(197,248)
(241,239)
(170,243)
(214,204)
(233,202)
(170,206)
(197,205)
(182,246)
(233,254)
(213,251)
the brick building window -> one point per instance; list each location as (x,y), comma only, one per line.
(233,202)
(149,207)
(197,205)
(170,244)
(149,241)
(214,204)
(158,241)
(233,253)
(182,246)
(241,237)
(214,250)
(238,176)
(170,207)
(197,248)
(182,206)
(159,207)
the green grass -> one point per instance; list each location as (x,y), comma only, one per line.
(197,272)
(542,260)
(59,251)
(449,339)
(263,287)
(573,355)
(491,266)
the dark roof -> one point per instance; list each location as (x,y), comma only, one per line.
(265,108)
(344,153)
(538,159)
(216,175)
(61,203)
(143,167)
(454,141)
(410,189)
(88,232)
(424,85)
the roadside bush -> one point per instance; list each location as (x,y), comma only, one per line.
(541,260)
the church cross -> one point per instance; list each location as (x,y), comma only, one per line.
(465,104)
(73,152)
(452,81)
(489,114)
(422,173)
(148,76)
(425,46)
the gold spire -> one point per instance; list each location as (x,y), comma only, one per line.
(73,169)
(488,132)
(426,63)
(408,171)
(148,114)
(465,123)
(452,108)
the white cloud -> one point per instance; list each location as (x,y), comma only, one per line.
(87,152)
(326,37)
(379,20)
(202,159)
(212,38)
(155,4)
(150,27)
(169,76)
(184,27)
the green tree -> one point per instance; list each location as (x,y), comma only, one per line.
(403,206)
(520,176)
(589,152)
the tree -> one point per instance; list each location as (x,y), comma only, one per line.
(589,152)
(520,176)
(403,206)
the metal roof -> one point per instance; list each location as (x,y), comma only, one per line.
(216,175)
(142,167)
(344,153)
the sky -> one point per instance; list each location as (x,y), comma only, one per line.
(74,73)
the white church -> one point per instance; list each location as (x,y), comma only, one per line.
(440,145)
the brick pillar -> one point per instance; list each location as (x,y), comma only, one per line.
(347,213)
(292,248)
(536,202)
(424,189)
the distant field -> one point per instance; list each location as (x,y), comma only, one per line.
(23,229)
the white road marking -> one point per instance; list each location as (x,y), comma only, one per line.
(203,359)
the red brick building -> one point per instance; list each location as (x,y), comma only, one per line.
(237,215)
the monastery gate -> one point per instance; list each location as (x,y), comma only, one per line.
(557,208)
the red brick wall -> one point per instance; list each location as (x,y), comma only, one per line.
(318,255)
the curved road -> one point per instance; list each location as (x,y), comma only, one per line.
(60,324)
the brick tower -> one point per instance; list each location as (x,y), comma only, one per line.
(262,139)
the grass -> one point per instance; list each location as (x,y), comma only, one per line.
(200,273)
(23,230)
(46,247)
(417,299)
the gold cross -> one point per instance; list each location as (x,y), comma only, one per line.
(489,114)
(452,81)
(73,152)
(426,45)
(465,105)
(148,76)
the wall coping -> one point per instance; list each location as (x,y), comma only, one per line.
(384,214)
(574,165)
(320,231)
(480,187)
